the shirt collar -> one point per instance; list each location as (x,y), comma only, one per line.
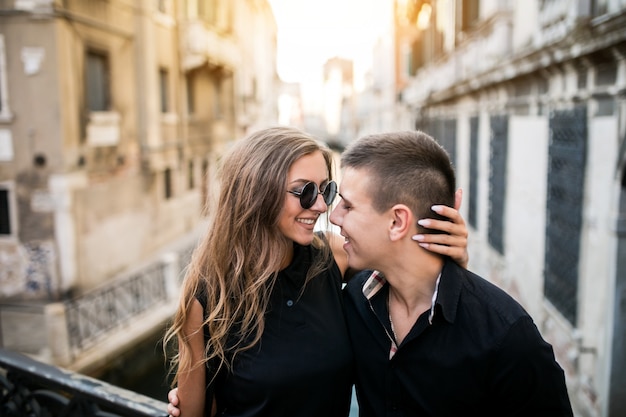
(377,280)
(373,284)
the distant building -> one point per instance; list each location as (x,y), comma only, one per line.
(113,117)
(290,110)
(528,97)
(377,108)
(358,97)
(338,100)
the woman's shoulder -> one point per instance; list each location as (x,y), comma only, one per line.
(201,293)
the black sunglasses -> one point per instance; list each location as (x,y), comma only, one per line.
(308,194)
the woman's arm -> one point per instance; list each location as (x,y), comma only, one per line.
(453,243)
(192,383)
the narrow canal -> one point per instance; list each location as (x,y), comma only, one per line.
(142,369)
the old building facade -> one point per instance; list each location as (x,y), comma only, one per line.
(113,117)
(529,99)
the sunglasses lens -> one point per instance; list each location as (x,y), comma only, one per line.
(330,192)
(308,195)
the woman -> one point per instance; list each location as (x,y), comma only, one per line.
(260,326)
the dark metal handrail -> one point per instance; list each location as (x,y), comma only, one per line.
(34,389)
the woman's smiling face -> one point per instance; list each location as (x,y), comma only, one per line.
(296,223)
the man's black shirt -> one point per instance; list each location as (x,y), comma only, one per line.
(482,355)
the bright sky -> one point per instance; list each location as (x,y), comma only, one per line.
(312,31)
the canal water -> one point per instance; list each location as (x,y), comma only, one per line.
(142,370)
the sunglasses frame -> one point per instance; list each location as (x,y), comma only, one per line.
(326,193)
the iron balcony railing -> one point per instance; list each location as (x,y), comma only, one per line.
(34,389)
(98,312)
(65,332)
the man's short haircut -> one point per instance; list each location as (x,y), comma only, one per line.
(407,167)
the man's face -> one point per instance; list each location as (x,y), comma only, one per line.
(363,227)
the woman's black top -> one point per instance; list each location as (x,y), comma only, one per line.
(302,365)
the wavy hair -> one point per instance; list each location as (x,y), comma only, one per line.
(238,260)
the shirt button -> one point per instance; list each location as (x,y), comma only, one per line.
(289,303)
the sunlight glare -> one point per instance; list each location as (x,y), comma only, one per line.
(312,31)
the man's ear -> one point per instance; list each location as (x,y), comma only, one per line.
(402,222)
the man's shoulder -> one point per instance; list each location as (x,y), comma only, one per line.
(481,291)
(358,279)
(354,287)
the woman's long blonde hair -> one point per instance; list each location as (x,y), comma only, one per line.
(238,260)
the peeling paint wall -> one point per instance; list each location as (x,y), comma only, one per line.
(28,271)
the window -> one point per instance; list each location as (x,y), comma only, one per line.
(204,187)
(599,7)
(567,156)
(443,131)
(167,183)
(163,87)
(191,97)
(497,181)
(5,112)
(97,80)
(473,176)
(415,57)
(191,177)
(7,211)
(5,223)
(447,138)
(217,97)
(606,73)
(207,10)
(468,14)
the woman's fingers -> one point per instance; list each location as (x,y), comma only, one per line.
(453,242)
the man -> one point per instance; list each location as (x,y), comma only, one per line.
(429,337)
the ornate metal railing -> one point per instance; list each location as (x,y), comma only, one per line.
(34,389)
(97,312)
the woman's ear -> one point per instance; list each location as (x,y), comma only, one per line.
(401,223)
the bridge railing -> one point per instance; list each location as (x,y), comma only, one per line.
(35,389)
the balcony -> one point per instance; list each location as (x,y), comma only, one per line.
(83,333)
(200,45)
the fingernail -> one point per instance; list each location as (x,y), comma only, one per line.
(417,237)
(436,208)
(424,222)
(424,245)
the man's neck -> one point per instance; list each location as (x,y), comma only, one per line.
(412,285)
(412,281)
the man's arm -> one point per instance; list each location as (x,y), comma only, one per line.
(526,380)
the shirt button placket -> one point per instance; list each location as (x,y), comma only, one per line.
(393,409)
